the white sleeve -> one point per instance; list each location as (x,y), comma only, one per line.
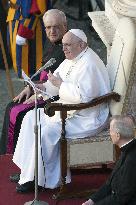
(51,89)
(84,89)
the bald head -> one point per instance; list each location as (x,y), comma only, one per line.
(124,125)
(55,24)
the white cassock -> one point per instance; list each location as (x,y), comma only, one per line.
(84,78)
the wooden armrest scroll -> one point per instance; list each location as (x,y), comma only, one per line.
(50,108)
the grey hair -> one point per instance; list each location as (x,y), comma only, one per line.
(124,125)
(57,12)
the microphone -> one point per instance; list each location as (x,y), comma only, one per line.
(46,65)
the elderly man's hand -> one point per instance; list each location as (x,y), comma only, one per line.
(89,202)
(32,99)
(56,81)
(25,93)
(29,100)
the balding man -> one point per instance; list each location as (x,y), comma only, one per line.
(81,77)
(120,188)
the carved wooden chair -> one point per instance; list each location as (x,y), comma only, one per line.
(98,149)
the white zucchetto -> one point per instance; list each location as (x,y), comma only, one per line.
(79,33)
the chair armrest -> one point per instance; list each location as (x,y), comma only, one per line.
(50,108)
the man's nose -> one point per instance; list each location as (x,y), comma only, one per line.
(64,47)
(52,29)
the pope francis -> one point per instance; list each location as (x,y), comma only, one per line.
(81,77)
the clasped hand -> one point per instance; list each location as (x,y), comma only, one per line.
(56,81)
(26,95)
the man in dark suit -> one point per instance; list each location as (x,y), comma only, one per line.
(120,188)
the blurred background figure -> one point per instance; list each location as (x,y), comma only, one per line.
(26,34)
(3,30)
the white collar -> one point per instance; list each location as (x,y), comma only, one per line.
(80,55)
(126,143)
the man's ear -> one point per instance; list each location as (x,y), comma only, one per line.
(118,135)
(65,28)
(81,44)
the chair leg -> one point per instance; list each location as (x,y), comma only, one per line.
(63,164)
(61,193)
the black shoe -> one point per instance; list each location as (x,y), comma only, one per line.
(15,177)
(25,188)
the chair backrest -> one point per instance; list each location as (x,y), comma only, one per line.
(121,62)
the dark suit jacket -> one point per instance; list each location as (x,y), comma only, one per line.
(120,188)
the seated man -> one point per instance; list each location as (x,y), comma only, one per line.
(120,188)
(56,26)
(81,77)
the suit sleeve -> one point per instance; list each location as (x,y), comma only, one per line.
(104,191)
(125,185)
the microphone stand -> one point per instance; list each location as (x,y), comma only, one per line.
(48,64)
(36,200)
